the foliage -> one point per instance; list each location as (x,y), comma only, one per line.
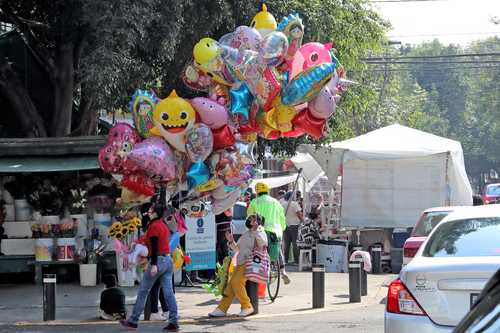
(121,45)
(46,197)
(455,100)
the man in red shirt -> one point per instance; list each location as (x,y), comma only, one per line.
(160,267)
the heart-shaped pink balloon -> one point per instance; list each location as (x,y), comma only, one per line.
(113,157)
(154,157)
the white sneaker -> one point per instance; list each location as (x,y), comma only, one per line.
(217,313)
(246,312)
(164,315)
(286,278)
(157,316)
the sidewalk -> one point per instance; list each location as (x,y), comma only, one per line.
(22,304)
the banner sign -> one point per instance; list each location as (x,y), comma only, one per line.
(200,242)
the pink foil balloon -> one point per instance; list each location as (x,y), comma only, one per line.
(211,113)
(113,157)
(123,132)
(310,54)
(155,157)
(323,105)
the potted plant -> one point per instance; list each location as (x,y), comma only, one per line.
(47,199)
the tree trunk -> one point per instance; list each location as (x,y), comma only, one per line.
(63,91)
(12,88)
(88,116)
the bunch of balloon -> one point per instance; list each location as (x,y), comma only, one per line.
(259,80)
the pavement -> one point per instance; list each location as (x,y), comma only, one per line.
(21,307)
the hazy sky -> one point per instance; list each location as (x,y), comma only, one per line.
(451,21)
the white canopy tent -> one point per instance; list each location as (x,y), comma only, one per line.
(390,175)
(274,182)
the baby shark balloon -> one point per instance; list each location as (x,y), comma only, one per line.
(264,22)
(173,117)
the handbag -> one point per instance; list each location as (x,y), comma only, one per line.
(257,265)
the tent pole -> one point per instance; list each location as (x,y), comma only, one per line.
(294,190)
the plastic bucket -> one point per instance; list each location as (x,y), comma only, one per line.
(10,212)
(126,278)
(65,250)
(22,210)
(88,275)
(44,248)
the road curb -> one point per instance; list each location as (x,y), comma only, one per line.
(182,321)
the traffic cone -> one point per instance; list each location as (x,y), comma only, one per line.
(262,290)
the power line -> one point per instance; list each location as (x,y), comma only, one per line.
(382,1)
(408,69)
(437,56)
(377,62)
(449,34)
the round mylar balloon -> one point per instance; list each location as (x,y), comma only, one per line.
(199,142)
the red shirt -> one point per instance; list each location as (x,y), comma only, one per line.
(158,229)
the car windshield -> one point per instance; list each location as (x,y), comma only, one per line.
(493,190)
(427,222)
(465,238)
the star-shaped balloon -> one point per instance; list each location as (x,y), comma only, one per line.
(241,101)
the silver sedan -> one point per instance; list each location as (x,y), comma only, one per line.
(438,287)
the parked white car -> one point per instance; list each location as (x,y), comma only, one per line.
(438,287)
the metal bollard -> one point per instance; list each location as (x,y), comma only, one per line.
(354,282)
(377,260)
(49,297)
(318,286)
(364,279)
(253,294)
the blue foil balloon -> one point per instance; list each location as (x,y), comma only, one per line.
(308,84)
(174,241)
(241,100)
(197,174)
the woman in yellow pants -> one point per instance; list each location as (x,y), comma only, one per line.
(255,236)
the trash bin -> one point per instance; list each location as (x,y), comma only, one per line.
(333,254)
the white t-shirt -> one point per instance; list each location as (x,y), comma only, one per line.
(291,215)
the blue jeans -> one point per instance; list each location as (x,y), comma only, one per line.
(165,271)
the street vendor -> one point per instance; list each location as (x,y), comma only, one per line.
(274,216)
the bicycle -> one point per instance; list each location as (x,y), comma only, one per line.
(273,284)
(274,281)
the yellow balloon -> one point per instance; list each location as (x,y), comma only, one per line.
(206,50)
(264,22)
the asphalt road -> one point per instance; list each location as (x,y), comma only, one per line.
(365,319)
